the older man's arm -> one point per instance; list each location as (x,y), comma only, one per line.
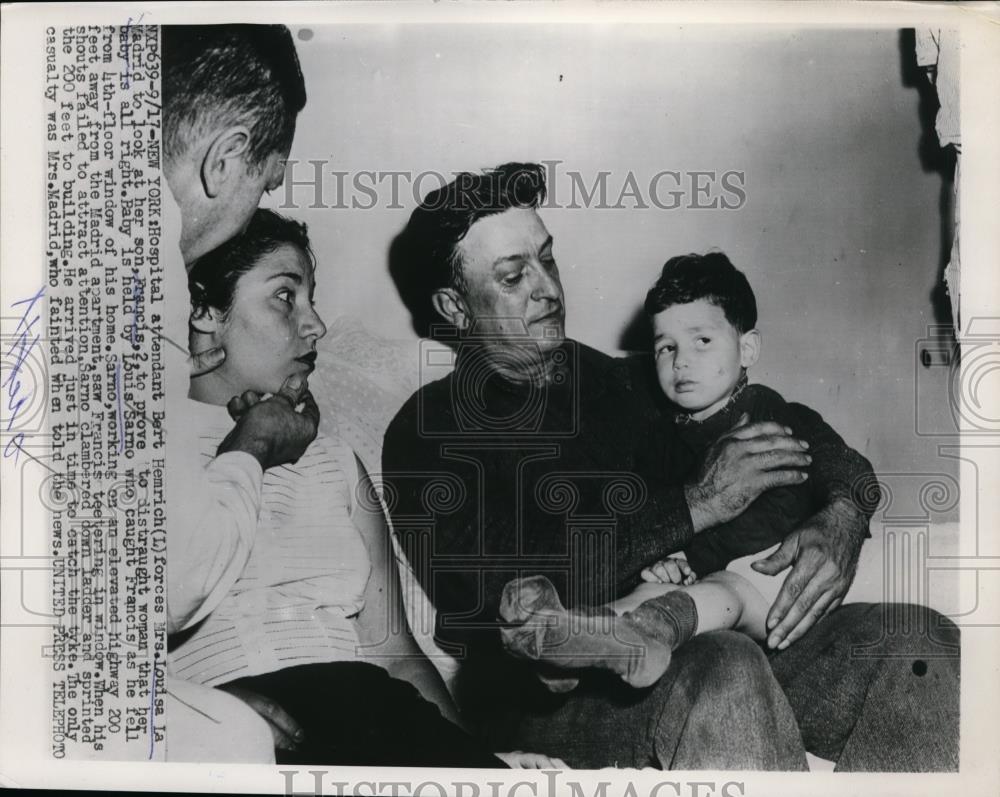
(413,474)
(823,552)
(451,514)
(685,497)
(684,501)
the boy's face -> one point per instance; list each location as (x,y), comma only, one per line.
(700,356)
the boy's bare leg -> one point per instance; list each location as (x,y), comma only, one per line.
(634,636)
(724,600)
(647,590)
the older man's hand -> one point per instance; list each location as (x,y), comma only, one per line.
(271,429)
(742,464)
(823,553)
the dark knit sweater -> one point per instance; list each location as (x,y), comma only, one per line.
(776,513)
(581,481)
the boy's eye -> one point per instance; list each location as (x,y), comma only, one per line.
(665,349)
(704,341)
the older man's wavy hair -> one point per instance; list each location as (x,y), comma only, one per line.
(446,214)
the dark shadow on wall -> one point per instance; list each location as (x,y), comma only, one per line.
(411,283)
(637,340)
(638,334)
(933,158)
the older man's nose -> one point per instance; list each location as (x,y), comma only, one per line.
(546,286)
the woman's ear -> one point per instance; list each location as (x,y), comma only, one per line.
(749,348)
(451,307)
(225,159)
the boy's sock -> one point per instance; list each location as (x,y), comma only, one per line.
(670,618)
(636,646)
(516,606)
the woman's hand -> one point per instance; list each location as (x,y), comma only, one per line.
(518,759)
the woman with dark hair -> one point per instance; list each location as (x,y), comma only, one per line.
(313,622)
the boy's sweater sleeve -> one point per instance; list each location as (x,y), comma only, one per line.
(766,522)
(837,470)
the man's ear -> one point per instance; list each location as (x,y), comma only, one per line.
(225,158)
(749,348)
(451,307)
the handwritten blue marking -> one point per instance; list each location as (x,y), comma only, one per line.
(15,401)
(128,64)
(121,412)
(137,296)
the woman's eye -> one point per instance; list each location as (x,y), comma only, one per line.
(512,279)
(285,295)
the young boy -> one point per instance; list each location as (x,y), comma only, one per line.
(704,318)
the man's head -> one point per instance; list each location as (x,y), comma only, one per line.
(488,258)
(231,94)
(704,316)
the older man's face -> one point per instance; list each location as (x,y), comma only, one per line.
(514,293)
(209,220)
(244,194)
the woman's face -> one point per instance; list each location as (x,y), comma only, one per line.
(272,327)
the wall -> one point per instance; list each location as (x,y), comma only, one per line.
(840,233)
